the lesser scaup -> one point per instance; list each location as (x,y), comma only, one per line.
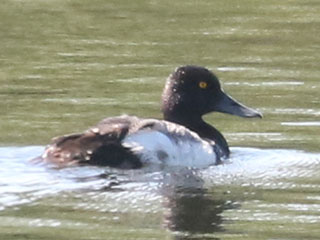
(182,138)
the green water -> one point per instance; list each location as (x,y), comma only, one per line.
(66,64)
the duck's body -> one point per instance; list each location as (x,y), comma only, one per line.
(182,138)
(132,142)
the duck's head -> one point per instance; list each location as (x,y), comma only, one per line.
(193,91)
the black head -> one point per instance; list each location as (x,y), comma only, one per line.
(193,91)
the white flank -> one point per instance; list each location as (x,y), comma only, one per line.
(171,148)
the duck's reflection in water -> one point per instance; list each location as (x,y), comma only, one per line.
(192,210)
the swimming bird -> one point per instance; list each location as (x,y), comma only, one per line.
(181,138)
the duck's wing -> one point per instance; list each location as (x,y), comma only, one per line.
(99,145)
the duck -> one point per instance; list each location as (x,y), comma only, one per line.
(181,138)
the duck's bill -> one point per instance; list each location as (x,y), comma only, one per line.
(227,104)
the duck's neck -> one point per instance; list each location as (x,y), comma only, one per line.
(203,129)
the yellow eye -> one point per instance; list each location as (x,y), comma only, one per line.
(203,84)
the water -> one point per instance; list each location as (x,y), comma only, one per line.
(258,192)
(67,64)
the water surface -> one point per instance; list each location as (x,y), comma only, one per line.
(65,65)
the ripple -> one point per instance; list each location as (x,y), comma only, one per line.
(263,167)
(246,167)
(81,101)
(292,111)
(302,124)
(270,84)
(233,69)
